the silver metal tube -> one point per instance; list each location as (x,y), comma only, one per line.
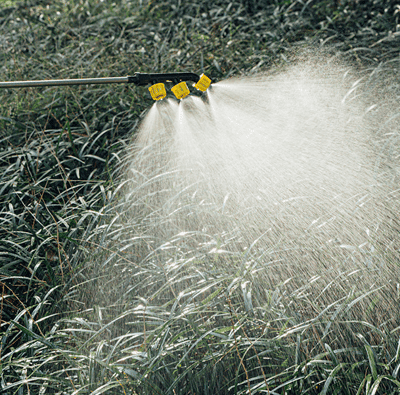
(78,81)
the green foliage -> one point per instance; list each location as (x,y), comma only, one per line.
(165,318)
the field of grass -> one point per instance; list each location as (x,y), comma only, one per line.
(91,302)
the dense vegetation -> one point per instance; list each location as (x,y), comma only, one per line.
(79,315)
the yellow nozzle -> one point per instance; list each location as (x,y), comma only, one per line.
(157,91)
(203,83)
(180,90)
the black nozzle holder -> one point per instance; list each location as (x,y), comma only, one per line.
(139,79)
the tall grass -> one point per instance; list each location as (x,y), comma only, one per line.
(91,301)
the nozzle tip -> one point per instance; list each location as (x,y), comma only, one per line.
(180,90)
(203,83)
(157,91)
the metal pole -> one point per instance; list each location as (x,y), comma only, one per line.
(78,81)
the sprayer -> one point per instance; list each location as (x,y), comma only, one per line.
(157,89)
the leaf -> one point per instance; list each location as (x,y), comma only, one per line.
(34,335)
(331,376)
(377,382)
(371,360)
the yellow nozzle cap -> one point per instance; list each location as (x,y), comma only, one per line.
(180,90)
(157,91)
(203,83)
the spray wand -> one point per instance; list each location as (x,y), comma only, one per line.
(157,89)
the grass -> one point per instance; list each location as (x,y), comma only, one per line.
(80,316)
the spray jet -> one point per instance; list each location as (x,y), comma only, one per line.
(157,89)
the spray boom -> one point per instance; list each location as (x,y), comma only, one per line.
(157,89)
